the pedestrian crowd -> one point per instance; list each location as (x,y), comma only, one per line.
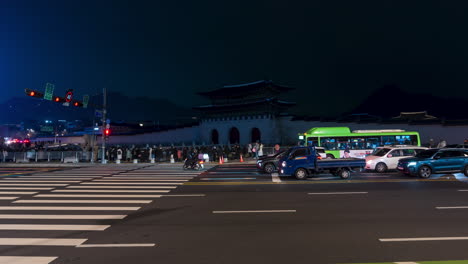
(147,152)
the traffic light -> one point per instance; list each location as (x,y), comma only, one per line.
(33,93)
(58,99)
(77,104)
(107,133)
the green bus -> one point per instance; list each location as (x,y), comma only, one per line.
(341,142)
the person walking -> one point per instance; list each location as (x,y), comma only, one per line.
(119,154)
(260,150)
(129,154)
(442,143)
(277,149)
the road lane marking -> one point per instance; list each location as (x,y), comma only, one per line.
(122,187)
(183,195)
(225,179)
(333,193)
(42,242)
(49,178)
(26,260)
(114,245)
(32,184)
(83,201)
(322,182)
(113,191)
(17,192)
(131,183)
(71,208)
(15,180)
(254,211)
(54,227)
(72,217)
(25,188)
(463,190)
(8,198)
(229,172)
(137,180)
(100,195)
(451,207)
(406,262)
(162,173)
(147,178)
(275,177)
(421,239)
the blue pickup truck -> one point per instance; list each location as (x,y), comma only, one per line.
(430,161)
(301,162)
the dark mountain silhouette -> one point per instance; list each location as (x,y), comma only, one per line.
(120,107)
(390,100)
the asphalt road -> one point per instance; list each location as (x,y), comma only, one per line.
(230,214)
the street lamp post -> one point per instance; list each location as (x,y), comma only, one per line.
(104,112)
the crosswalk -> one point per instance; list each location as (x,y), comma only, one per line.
(63,202)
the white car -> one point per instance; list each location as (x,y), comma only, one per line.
(386,158)
(321,152)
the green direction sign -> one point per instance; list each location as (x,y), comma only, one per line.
(49,91)
(85,101)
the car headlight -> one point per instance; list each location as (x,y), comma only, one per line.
(412,164)
(369,162)
(283,164)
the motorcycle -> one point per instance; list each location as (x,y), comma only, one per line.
(194,164)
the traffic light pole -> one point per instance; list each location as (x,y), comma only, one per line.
(104,111)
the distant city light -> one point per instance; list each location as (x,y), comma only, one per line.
(141,124)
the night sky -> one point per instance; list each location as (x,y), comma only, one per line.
(335,53)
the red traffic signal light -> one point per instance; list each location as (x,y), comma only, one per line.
(77,104)
(33,93)
(107,131)
(58,99)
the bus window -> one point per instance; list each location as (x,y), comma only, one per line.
(403,140)
(389,140)
(343,143)
(328,143)
(357,143)
(312,141)
(372,142)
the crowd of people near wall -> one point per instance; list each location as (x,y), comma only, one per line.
(146,153)
(160,153)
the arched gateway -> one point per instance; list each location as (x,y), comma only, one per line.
(256,135)
(214,137)
(234,136)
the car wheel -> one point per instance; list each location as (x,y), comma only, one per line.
(381,167)
(330,156)
(301,174)
(465,171)
(269,168)
(424,172)
(344,174)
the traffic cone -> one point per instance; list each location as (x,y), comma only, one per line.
(241,158)
(220,161)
